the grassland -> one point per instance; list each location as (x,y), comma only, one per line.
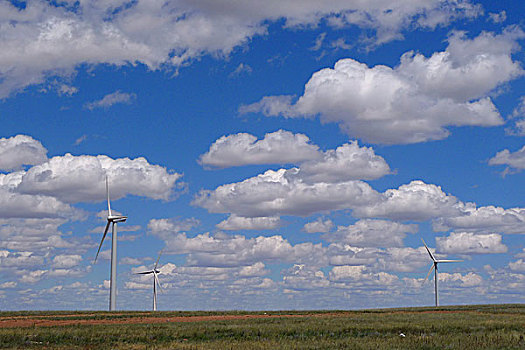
(462,327)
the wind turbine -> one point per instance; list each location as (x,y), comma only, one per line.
(434,266)
(156,282)
(112,219)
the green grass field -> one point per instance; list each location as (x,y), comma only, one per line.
(461,327)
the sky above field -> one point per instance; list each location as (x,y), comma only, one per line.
(282,154)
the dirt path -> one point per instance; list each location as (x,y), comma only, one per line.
(146,318)
(55,320)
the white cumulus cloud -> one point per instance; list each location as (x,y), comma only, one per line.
(470,279)
(82,178)
(44,39)
(284,192)
(486,219)
(372,233)
(280,147)
(346,162)
(318,225)
(20,150)
(414,201)
(470,243)
(224,250)
(66,261)
(515,161)
(413,102)
(234,222)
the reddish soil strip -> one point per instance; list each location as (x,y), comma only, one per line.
(55,320)
(32,321)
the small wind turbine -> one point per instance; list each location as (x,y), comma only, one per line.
(434,266)
(112,219)
(156,282)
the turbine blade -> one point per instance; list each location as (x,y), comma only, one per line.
(448,261)
(107,193)
(157,262)
(102,241)
(430,271)
(428,250)
(144,273)
(158,282)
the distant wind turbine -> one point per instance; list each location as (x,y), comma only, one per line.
(112,219)
(434,266)
(156,282)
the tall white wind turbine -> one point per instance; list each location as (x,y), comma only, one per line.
(156,282)
(112,219)
(434,267)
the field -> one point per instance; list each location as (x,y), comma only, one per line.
(458,327)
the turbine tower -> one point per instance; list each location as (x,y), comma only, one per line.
(156,282)
(434,266)
(112,219)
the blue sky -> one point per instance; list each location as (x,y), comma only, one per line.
(283,156)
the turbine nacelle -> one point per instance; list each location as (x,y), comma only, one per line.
(156,282)
(434,267)
(117,218)
(148,272)
(112,219)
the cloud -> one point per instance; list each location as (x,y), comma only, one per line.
(346,162)
(487,219)
(235,281)
(318,42)
(518,114)
(361,276)
(80,140)
(19,260)
(470,279)
(344,254)
(82,178)
(279,147)
(327,182)
(403,259)
(470,243)
(518,265)
(68,90)
(224,250)
(44,39)
(499,17)
(330,183)
(20,150)
(234,222)
(505,282)
(415,201)
(318,226)
(515,161)
(256,270)
(16,205)
(137,286)
(8,285)
(164,228)
(242,68)
(284,192)
(300,277)
(372,233)
(413,102)
(37,235)
(66,261)
(271,106)
(33,276)
(111,99)
(66,272)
